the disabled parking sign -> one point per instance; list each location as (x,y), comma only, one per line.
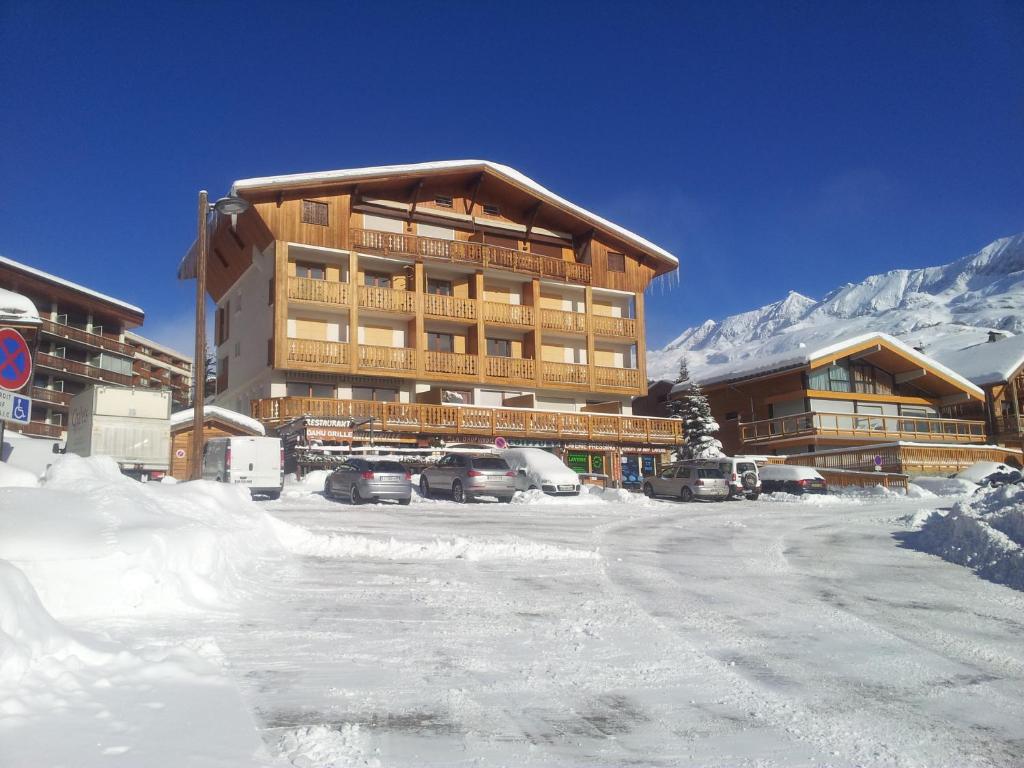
(15,407)
(15,360)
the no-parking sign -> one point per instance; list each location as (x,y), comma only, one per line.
(15,360)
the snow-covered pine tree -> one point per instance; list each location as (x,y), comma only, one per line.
(699,426)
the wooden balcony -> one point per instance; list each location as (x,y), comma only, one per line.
(512,368)
(450,363)
(52,396)
(614,326)
(399,359)
(499,313)
(903,458)
(319,353)
(448,307)
(319,291)
(423,419)
(865,427)
(75,368)
(462,252)
(95,340)
(37,429)
(560,320)
(565,373)
(1008,426)
(387,299)
(617,378)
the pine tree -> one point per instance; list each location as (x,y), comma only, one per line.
(699,426)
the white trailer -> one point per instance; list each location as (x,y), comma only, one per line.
(133,426)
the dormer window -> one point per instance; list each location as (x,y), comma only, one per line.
(443,201)
(616,262)
(492,210)
(314,212)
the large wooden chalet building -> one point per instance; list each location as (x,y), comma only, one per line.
(455,300)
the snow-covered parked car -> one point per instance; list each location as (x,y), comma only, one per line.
(742,476)
(535,468)
(788,478)
(987,473)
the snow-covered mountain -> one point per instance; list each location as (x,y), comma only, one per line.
(943,308)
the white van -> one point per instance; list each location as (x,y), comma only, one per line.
(255,462)
(536,468)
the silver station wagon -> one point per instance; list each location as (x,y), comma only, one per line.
(466,476)
(687,481)
(360,480)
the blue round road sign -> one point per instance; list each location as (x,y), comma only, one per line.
(15,360)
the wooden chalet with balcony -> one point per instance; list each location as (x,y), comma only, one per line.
(846,401)
(443,299)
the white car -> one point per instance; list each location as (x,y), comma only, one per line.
(536,468)
(255,462)
(742,476)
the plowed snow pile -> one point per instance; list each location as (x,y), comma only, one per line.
(985,533)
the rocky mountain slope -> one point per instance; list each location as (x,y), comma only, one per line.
(943,308)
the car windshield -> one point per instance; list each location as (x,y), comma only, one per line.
(387,466)
(746,466)
(490,463)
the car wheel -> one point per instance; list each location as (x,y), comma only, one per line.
(458,494)
(532,488)
(506,499)
(754,496)
(648,491)
(424,487)
(404,502)
(354,496)
(686,494)
(273,495)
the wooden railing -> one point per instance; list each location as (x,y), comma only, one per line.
(913,459)
(511,368)
(565,373)
(318,352)
(621,378)
(387,358)
(864,426)
(37,429)
(508,314)
(560,320)
(387,299)
(82,369)
(85,337)
(449,306)
(449,363)
(44,395)
(323,291)
(460,251)
(417,419)
(1008,425)
(613,326)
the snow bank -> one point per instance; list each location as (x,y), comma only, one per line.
(326,745)
(312,482)
(985,533)
(811,499)
(94,542)
(13,477)
(979,470)
(945,486)
(589,495)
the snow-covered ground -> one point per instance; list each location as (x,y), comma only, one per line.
(604,630)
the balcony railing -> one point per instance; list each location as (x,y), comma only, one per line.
(44,395)
(322,291)
(863,426)
(511,368)
(449,307)
(449,363)
(85,337)
(387,358)
(417,418)
(565,373)
(460,251)
(619,378)
(508,314)
(1009,425)
(82,369)
(38,429)
(614,326)
(387,299)
(318,352)
(559,320)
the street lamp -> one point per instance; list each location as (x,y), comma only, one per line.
(226,206)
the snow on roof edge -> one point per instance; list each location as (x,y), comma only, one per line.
(69,284)
(215,411)
(17,308)
(511,174)
(982,363)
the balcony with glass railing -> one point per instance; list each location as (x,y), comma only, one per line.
(862,426)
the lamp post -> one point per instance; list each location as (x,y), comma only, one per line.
(225,206)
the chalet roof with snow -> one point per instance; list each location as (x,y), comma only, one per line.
(15,308)
(899,357)
(987,363)
(124,306)
(184,419)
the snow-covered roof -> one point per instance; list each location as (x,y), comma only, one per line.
(68,284)
(502,171)
(987,363)
(803,356)
(215,411)
(15,308)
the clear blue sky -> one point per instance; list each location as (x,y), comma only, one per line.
(772,146)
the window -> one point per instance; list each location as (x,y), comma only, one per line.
(440,342)
(314,212)
(238,349)
(616,262)
(863,422)
(443,201)
(732,415)
(377,279)
(834,378)
(270,351)
(668,473)
(499,348)
(379,394)
(222,374)
(439,287)
(310,271)
(457,396)
(492,210)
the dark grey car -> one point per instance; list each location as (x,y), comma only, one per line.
(466,476)
(360,480)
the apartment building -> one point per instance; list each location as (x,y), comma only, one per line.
(160,367)
(81,342)
(458,300)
